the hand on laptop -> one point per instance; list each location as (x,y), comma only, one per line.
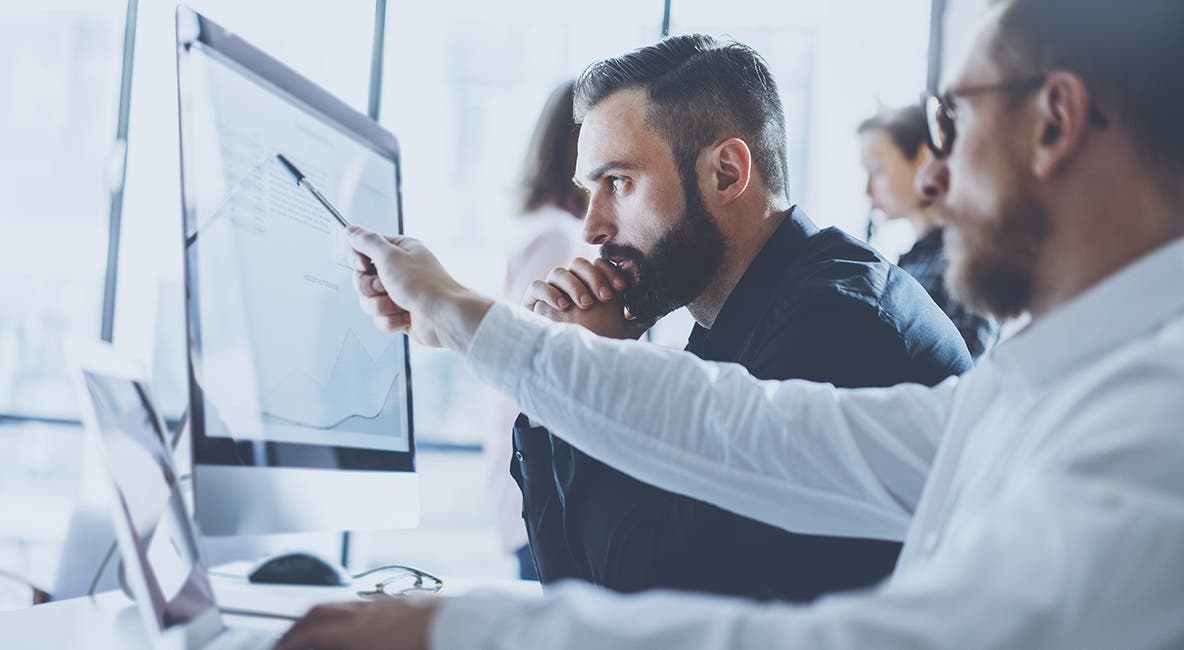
(386,623)
(587,294)
(413,293)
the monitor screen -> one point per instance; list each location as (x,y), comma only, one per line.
(286,369)
(148,502)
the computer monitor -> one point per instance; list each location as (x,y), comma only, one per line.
(300,409)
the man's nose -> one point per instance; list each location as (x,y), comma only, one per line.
(599,225)
(933,180)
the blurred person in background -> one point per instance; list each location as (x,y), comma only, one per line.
(893,151)
(552,208)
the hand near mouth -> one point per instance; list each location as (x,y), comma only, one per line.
(587,293)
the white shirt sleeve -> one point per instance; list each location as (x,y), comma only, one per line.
(1022,574)
(1077,548)
(803,456)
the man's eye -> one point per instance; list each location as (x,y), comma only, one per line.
(617,183)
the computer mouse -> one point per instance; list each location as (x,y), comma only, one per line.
(298,568)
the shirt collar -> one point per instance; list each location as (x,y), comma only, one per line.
(749,299)
(1121,308)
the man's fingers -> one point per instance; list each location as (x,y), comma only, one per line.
(594,277)
(368,285)
(573,286)
(375,246)
(368,242)
(360,262)
(386,307)
(316,629)
(320,635)
(380,306)
(544,310)
(396,323)
(618,278)
(540,291)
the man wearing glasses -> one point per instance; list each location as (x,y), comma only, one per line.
(1040,496)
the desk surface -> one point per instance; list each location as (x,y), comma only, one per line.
(110,619)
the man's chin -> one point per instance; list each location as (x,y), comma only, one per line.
(647,305)
(989,287)
(992,262)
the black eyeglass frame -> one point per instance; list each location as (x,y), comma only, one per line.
(940,113)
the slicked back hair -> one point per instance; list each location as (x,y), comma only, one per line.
(701,90)
(1130,53)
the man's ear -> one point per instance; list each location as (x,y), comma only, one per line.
(1062,121)
(729,170)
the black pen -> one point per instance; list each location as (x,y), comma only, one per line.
(302,181)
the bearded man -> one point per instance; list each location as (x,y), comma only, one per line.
(689,203)
(1039,495)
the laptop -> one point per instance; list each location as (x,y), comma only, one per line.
(164,571)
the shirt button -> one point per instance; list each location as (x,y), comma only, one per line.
(518,455)
(930,542)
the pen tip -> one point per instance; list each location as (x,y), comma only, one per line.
(290,167)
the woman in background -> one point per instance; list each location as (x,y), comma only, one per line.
(894,150)
(552,211)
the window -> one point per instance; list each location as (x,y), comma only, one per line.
(59,76)
(464,84)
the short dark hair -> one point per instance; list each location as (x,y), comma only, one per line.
(700,90)
(906,126)
(1129,52)
(551,157)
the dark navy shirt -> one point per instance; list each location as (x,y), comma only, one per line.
(926,262)
(814,304)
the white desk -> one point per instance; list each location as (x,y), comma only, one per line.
(110,620)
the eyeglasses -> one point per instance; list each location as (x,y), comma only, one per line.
(940,112)
(404,581)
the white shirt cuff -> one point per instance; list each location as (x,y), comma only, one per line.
(475,620)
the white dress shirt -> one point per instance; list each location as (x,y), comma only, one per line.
(1040,497)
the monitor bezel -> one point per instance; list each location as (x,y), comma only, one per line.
(196,30)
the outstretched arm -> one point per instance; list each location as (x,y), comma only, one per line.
(1076,548)
(849,463)
(803,456)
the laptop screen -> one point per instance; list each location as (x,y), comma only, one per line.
(148,503)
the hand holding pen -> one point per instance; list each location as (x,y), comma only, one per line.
(302,181)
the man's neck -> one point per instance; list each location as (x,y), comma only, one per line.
(743,243)
(1102,239)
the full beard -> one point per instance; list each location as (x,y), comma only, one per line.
(992,269)
(680,266)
